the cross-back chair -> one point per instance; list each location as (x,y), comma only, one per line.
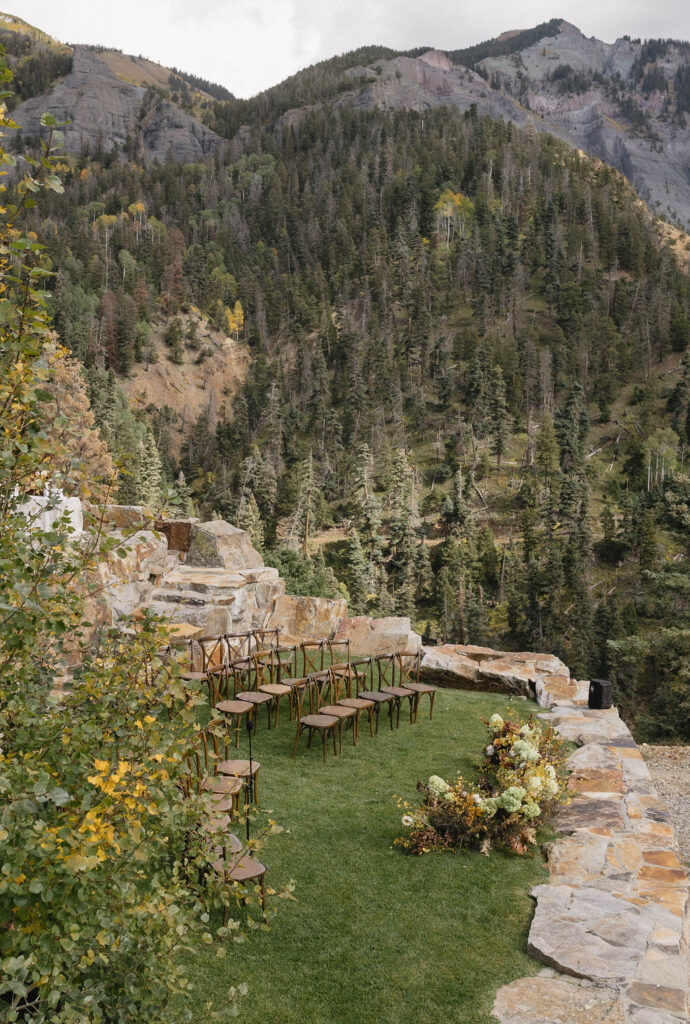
(410,663)
(375,694)
(387,665)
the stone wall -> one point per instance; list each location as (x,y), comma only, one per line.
(613,924)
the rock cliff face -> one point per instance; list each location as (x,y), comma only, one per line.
(589,93)
(105,111)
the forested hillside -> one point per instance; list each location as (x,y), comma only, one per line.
(469,386)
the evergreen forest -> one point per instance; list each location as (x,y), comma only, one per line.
(468,388)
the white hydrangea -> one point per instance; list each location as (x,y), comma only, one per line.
(511,799)
(531,810)
(525,751)
(438,787)
(496,723)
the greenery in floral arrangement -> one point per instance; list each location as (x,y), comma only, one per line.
(522,778)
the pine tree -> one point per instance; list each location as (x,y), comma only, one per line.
(358,575)
(149,472)
(647,544)
(498,411)
(250,520)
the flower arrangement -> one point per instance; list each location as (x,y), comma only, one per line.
(521,778)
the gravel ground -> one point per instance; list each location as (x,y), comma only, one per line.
(670,771)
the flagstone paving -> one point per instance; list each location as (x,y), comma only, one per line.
(614,922)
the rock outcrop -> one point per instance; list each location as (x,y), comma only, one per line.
(469,667)
(316,618)
(218,544)
(215,599)
(369,637)
(104,111)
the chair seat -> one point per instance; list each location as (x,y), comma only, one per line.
(194,677)
(380,696)
(242,869)
(396,691)
(275,689)
(298,682)
(356,702)
(234,707)
(319,721)
(254,697)
(420,687)
(238,767)
(226,786)
(339,711)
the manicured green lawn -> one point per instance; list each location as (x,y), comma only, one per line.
(377,935)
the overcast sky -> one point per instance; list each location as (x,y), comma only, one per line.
(248,46)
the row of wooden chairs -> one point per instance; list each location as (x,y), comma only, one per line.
(209,769)
(338,698)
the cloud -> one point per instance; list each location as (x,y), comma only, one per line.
(248,46)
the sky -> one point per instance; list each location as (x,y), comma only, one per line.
(248,46)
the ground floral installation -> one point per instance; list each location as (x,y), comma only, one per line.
(521,779)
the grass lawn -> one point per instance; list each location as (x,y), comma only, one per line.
(377,935)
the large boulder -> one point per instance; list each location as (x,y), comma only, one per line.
(219,545)
(217,600)
(315,617)
(369,637)
(449,666)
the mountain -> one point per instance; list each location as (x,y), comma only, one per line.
(625,103)
(109,101)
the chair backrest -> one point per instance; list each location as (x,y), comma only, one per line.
(265,637)
(339,651)
(386,665)
(286,658)
(264,667)
(210,746)
(409,664)
(364,667)
(242,675)
(314,655)
(218,684)
(343,681)
(214,651)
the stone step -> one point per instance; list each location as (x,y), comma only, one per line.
(192,597)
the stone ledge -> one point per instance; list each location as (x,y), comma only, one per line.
(616,914)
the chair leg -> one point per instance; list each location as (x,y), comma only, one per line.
(390,714)
(335,749)
(431,704)
(323,738)
(299,733)
(371,722)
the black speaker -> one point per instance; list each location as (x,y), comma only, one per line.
(600,694)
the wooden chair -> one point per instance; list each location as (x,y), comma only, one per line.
(379,697)
(242,674)
(234,710)
(267,673)
(352,699)
(345,712)
(210,748)
(386,668)
(241,769)
(324,724)
(410,664)
(239,867)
